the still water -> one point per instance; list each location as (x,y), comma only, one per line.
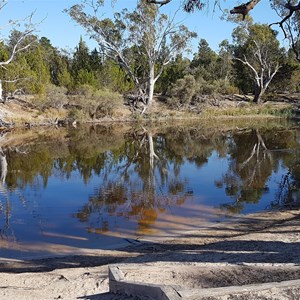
(68,189)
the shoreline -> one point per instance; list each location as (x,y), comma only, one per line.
(17,114)
(250,249)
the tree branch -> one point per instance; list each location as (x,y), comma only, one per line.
(291,10)
(18,47)
(244,8)
(159,2)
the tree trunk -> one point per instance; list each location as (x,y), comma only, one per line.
(1,91)
(151,151)
(3,168)
(259,91)
(152,157)
(151,91)
(151,87)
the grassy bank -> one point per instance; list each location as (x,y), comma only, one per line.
(21,112)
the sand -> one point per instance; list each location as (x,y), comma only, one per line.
(257,248)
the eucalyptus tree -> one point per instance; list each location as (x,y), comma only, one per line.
(157,39)
(289,12)
(225,61)
(192,5)
(19,43)
(259,51)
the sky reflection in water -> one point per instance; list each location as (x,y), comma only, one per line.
(92,188)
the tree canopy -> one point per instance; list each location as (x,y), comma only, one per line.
(142,52)
(142,42)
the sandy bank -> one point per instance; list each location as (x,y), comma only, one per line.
(256,248)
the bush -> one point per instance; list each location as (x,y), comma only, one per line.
(97,103)
(224,87)
(56,96)
(107,102)
(53,96)
(84,90)
(216,87)
(76,114)
(190,92)
(182,91)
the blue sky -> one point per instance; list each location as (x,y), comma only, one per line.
(64,33)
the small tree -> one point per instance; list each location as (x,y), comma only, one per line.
(155,38)
(204,62)
(224,62)
(258,50)
(19,42)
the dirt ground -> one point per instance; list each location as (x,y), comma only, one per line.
(256,248)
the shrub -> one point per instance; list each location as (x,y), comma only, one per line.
(215,87)
(182,91)
(56,96)
(188,92)
(53,96)
(76,114)
(38,101)
(97,103)
(224,87)
(84,90)
(107,102)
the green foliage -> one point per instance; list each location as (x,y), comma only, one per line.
(224,70)
(204,62)
(77,114)
(258,56)
(288,77)
(213,72)
(82,69)
(141,42)
(81,58)
(4,54)
(85,77)
(64,77)
(188,91)
(183,91)
(174,71)
(19,73)
(56,96)
(97,103)
(41,75)
(294,82)
(114,78)
(220,86)
(108,102)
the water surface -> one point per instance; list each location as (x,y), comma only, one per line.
(62,190)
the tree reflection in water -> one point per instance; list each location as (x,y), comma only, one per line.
(5,205)
(288,191)
(139,185)
(6,231)
(254,157)
(140,171)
